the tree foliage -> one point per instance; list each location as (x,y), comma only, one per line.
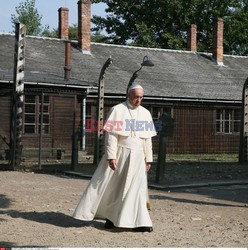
(164,23)
(73,34)
(28,14)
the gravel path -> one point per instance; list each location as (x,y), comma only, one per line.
(36,209)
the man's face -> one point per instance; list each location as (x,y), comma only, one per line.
(135,97)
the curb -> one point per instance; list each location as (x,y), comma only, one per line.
(168,187)
(196,185)
(77,174)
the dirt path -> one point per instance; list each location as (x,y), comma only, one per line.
(36,209)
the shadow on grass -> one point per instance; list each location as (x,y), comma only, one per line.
(4,166)
(191,172)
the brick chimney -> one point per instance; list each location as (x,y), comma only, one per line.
(218,41)
(84,19)
(192,38)
(67,67)
(63,23)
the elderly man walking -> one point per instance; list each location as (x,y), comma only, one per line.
(117,191)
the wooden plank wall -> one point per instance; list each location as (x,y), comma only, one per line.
(61,127)
(5,117)
(62,121)
(194,127)
(194,132)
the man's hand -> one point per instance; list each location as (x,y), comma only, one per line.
(112,164)
(148,166)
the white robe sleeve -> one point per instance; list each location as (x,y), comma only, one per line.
(148,149)
(111,141)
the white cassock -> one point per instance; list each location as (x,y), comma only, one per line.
(121,195)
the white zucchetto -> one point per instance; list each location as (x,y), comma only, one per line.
(134,86)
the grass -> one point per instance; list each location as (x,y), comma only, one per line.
(200,157)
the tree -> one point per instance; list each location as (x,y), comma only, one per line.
(50,33)
(164,23)
(28,15)
(237,31)
(97,37)
(73,34)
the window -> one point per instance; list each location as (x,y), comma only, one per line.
(29,115)
(228,121)
(88,111)
(32,114)
(156,112)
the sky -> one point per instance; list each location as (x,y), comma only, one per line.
(48,9)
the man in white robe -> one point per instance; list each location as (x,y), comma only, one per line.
(118,189)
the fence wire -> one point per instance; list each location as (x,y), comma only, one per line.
(200,132)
